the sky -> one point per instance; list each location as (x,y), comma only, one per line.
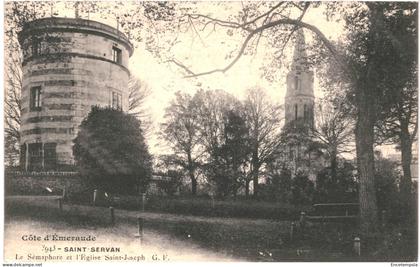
(207,54)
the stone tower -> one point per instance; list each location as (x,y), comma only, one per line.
(299,100)
(69,65)
(299,115)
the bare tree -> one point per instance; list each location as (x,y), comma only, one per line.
(12,111)
(16,15)
(334,129)
(139,91)
(264,122)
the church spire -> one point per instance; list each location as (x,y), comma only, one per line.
(300,58)
(299,100)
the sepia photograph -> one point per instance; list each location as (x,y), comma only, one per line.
(210,131)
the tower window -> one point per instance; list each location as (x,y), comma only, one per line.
(35,98)
(296,83)
(116,101)
(296,111)
(35,156)
(116,55)
(305,112)
(50,156)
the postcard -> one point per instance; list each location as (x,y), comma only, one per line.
(210,131)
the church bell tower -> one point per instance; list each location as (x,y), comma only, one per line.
(299,100)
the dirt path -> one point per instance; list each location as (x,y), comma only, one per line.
(247,239)
(155,246)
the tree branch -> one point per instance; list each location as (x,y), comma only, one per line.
(296,23)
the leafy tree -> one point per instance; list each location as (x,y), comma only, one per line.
(227,162)
(397,120)
(302,189)
(388,189)
(208,131)
(278,183)
(220,128)
(181,131)
(111,152)
(211,106)
(398,125)
(342,188)
(374,47)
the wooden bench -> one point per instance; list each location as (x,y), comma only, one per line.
(334,212)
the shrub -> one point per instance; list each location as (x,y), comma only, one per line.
(204,206)
(278,186)
(302,189)
(241,208)
(387,193)
(343,190)
(111,153)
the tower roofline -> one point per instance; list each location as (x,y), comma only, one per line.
(53,24)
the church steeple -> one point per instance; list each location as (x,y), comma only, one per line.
(300,58)
(299,101)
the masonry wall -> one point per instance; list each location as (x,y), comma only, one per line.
(74,64)
(77,188)
(26,183)
(302,97)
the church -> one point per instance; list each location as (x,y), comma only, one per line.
(300,153)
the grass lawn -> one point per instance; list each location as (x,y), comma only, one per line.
(236,238)
(200,206)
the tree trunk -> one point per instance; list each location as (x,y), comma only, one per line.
(255,170)
(406,157)
(365,160)
(335,192)
(334,167)
(255,181)
(191,169)
(247,188)
(193,185)
(367,92)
